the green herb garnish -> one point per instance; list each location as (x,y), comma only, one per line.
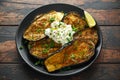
(46,45)
(29,46)
(52,44)
(72,56)
(68,39)
(83,18)
(25,41)
(39,62)
(38,30)
(81,53)
(70,34)
(65,69)
(59,41)
(60,24)
(44,23)
(74,29)
(52,19)
(58,33)
(21,47)
(90,46)
(44,51)
(65,14)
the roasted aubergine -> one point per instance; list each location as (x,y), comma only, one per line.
(74,19)
(80,51)
(36,29)
(89,33)
(43,48)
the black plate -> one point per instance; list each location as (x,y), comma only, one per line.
(31,60)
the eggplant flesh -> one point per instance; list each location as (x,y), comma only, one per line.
(43,48)
(80,51)
(88,33)
(74,19)
(36,29)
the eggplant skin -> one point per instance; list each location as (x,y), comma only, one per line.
(75,20)
(43,48)
(36,29)
(80,51)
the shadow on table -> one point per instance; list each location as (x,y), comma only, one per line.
(92,72)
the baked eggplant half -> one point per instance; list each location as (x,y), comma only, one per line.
(36,29)
(79,52)
(43,48)
(88,33)
(74,19)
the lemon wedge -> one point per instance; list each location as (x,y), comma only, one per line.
(90,20)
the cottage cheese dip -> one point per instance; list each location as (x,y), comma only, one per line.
(60,32)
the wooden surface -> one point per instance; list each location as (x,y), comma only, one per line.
(107,65)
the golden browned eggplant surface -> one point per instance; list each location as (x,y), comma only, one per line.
(43,48)
(89,33)
(80,51)
(75,20)
(36,29)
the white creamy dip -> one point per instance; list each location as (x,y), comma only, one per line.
(60,32)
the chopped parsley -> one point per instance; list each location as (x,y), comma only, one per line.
(44,51)
(59,41)
(81,53)
(65,14)
(44,23)
(52,19)
(38,30)
(70,34)
(46,46)
(90,46)
(32,37)
(52,44)
(29,46)
(59,24)
(39,62)
(25,41)
(80,32)
(83,18)
(74,29)
(21,47)
(65,69)
(68,39)
(58,33)
(72,56)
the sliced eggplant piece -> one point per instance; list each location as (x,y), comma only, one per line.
(74,19)
(89,33)
(79,52)
(43,48)
(36,29)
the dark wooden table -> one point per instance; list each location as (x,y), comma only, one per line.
(107,65)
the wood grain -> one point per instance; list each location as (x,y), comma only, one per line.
(24,72)
(80,2)
(107,65)
(12,12)
(7,33)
